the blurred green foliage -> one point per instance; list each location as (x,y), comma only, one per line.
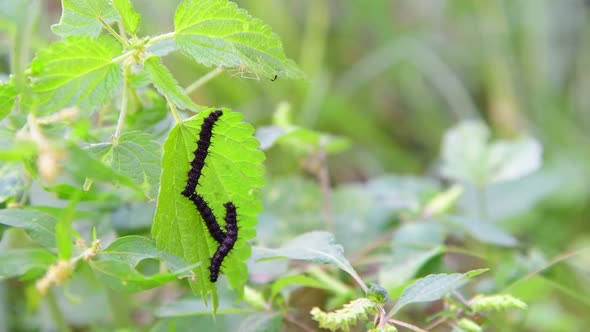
(390,77)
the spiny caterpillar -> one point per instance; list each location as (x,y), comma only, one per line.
(200,153)
(225,239)
(231,236)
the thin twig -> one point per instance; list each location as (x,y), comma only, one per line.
(202,80)
(406,325)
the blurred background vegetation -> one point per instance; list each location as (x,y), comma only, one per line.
(393,76)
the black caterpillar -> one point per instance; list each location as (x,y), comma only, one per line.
(225,239)
(231,236)
(200,153)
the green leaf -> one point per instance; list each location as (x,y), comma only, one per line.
(133,249)
(432,287)
(468,156)
(8,95)
(120,276)
(316,247)
(485,231)
(218,33)
(12,180)
(135,156)
(295,280)
(17,262)
(129,16)
(40,226)
(233,172)
(83,17)
(77,71)
(167,85)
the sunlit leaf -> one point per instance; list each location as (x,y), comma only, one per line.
(232,173)
(83,17)
(134,156)
(129,16)
(77,71)
(218,33)
(167,85)
(8,95)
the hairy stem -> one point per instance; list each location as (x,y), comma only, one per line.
(123,112)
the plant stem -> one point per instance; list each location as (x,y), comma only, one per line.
(173,110)
(113,32)
(123,111)
(161,37)
(334,284)
(324,179)
(202,80)
(406,325)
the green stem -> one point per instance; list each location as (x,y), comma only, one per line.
(22,39)
(333,284)
(113,32)
(55,312)
(173,110)
(202,80)
(123,56)
(123,112)
(161,37)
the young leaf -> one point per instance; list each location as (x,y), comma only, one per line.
(8,95)
(40,226)
(133,249)
(167,85)
(77,71)
(17,262)
(122,277)
(218,33)
(317,247)
(432,288)
(129,16)
(83,17)
(232,173)
(135,156)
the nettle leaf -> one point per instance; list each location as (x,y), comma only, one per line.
(167,85)
(218,33)
(18,262)
(116,264)
(76,71)
(433,287)
(484,231)
(40,226)
(129,16)
(83,17)
(8,95)
(316,247)
(133,249)
(233,172)
(135,156)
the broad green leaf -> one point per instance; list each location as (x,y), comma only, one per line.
(17,262)
(432,287)
(77,71)
(316,247)
(122,277)
(233,172)
(17,151)
(485,231)
(12,180)
(40,226)
(295,280)
(8,95)
(167,85)
(134,156)
(218,33)
(83,17)
(133,249)
(469,156)
(129,16)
